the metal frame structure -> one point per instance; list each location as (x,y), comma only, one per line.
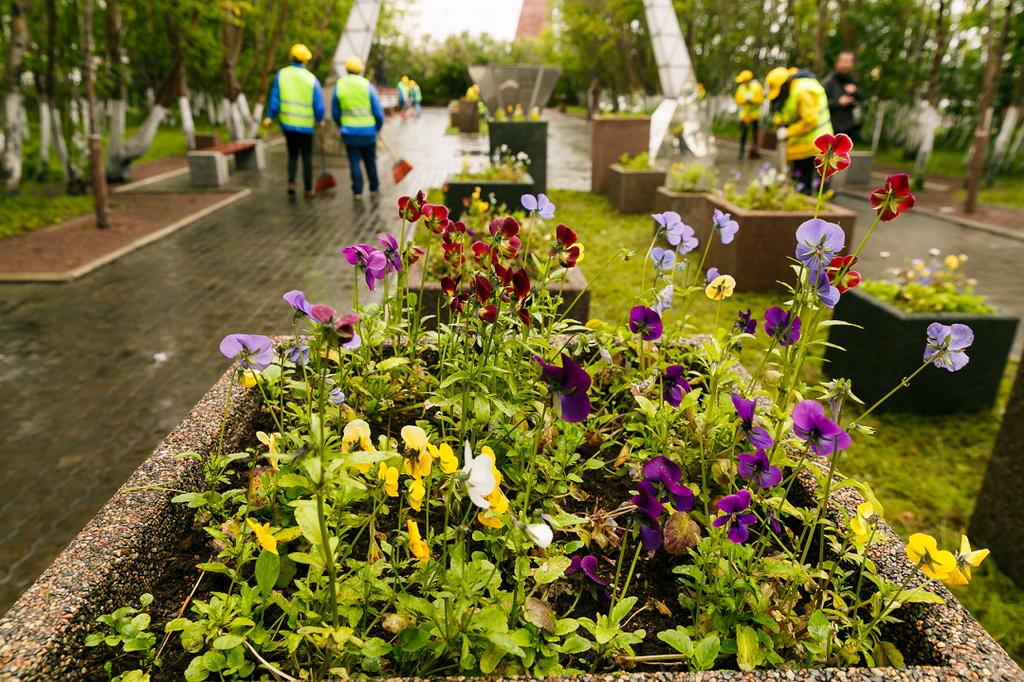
(357,38)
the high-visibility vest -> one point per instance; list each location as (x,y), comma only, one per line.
(295,86)
(353,92)
(790,115)
(750,110)
(403,92)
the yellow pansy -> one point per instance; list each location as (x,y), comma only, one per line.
(864,522)
(357,434)
(594,323)
(486,450)
(415,438)
(417,458)
(923,550)
(390,477)
(263,536)
(965,558)
(271,443)
(248,378)
(952,262)
(444,454)
(499,505)
(416,494)
(418,548)
(720,287)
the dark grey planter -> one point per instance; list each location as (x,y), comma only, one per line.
(891,346)
(691,207)
(510,194)
(633,191)
(530,137)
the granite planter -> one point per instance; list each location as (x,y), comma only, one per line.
(691,207)
(466,116)
(430,296)
(891,346)
(610,138)
(508,193)
(530,137)
(759,257)
(123,550)
(633,191)
(859,171)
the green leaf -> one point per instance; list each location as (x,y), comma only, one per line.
(540,614)
(139,643)
(679,640)
(481,409)
(268,567)
(392,363)
(95,639)
(293,481)
(215,567)
(886,653)
(225,642)
(748,649)
(413,640)
(621,610)
(214,660)
(141,621)
(919,596)
(706,653)
(818,627)
(575,645)
(552,569)
(646,406)
(308,519)
(146,599)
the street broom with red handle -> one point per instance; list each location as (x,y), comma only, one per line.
(326,180)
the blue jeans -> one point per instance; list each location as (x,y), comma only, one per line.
(368,155)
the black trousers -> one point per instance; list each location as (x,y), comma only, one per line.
(743,134)
(804,173)
(296,143)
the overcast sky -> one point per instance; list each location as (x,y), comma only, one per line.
(442,18)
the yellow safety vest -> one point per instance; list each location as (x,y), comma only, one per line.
(802,146)
(295,85)
(750,110)
(353,93)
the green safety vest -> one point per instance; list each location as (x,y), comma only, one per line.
(791,116)
(296,86)
(353,92)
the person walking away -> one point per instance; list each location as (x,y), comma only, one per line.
(297,101)
(403,95)
(844,97)
(417,97)
(801,107)
(749,95)
(356,109)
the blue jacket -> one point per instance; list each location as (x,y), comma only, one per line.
(275,104)
(359,136)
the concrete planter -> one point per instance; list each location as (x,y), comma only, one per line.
(691,207)
(758,258)
(633,191)
(466,117)
(610,138)
(891,346)
(767,139)
(530,137)
(508,193)
(430,296)
(859,172)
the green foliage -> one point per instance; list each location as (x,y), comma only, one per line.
(770,191)
(935,287)
(692,177)
(127,628)
(640,162)
(26,212)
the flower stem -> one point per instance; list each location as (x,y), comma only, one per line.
(904,382)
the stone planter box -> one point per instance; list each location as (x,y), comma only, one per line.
(766,139)
(508,193)
(123,550)
(466,116)
(430,295)
(691,207)
(758,258)
(633,191)
(610,138)
(530,137)
(891,346)
(859,172)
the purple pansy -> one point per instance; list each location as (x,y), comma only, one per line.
(746,324)
(663,300)
(571,382)
(683,238)
(392,255)
(297,354)
(354,343)
(946,345)
(755,435)
(773,522)
(645,322)
(817,242)
(336,396)
(731,507)
(756,465)
(821,433)
(828,294)
(712,275)
(782,326)
(724,225)
(664,473)
(252,351)
(648,509)
(588,565)
(297,300)
(540,204)
(673,385)
(664,259)
(668,221)
(369,262)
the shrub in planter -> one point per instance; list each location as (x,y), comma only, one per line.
(611,137)
(633,184)
(685,193)
(520,497)
(502,183)
(529,137)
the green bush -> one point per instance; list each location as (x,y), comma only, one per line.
(692,177)
(640,162)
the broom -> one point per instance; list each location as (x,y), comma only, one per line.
(326,179)
(401,167)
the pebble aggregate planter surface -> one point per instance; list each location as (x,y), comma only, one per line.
(633,191)
(508,193)
(120,554)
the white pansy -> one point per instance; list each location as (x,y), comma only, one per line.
(540,534)
(478,475)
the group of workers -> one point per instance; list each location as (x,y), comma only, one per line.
(803,109)
(409,93)
(297,101)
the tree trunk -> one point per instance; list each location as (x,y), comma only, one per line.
(797,38)
(941,29)
(261,41)
(188,124)
(10,166)
(321,31)
(929,115)
(1002,144)
(99,182)
(44,139)
(268,64)
(60,147)
(819,38)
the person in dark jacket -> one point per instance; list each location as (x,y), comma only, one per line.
(844,97)
(297,101)
(356,109)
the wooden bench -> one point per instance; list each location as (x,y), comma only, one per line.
(209,167)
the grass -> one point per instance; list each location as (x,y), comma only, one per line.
(26,212)
(484,130)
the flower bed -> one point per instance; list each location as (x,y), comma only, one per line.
(504,192)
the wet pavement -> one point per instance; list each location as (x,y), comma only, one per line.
(95,372)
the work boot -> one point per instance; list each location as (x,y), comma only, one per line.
(310,193)
(358,197)
(755,154)
(375,193)
(291,189)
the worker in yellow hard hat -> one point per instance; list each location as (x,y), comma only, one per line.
(416,95)
(297,101)
(749,95)
(356,109)
(801,107)
(403,95)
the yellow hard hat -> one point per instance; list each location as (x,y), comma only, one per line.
(405,79)
(354,64)
(301,53)
(792,70)
(775,79)
(744,76)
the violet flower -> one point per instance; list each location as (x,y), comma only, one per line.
(755,435)
(252,351)
(571,382)
(391,252)
(297,300)
(297,354)
(648,509)
(673,385)
(822,434)
(773,522)
(724,225)
(663,300)
(731,507)
(746,324)
(782,326)
(664,259)
(540,204)
(336,396)
(645,322)
(665,473)
(683,238)
(827,293)
(946,345)
(369,262)
(758,466)
(817,242)
(667,221)
(588,565)
(712,275)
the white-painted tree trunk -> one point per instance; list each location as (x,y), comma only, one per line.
(1002,143)
(876,137)
(23,121)
(119,168)
(60,146)
(244,112)
(118,114)
(1015,148)
(929,122)
(257,116)
(225,116)
(12,141)
(236,128)
(44,138)
(150,98)
(188,126)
